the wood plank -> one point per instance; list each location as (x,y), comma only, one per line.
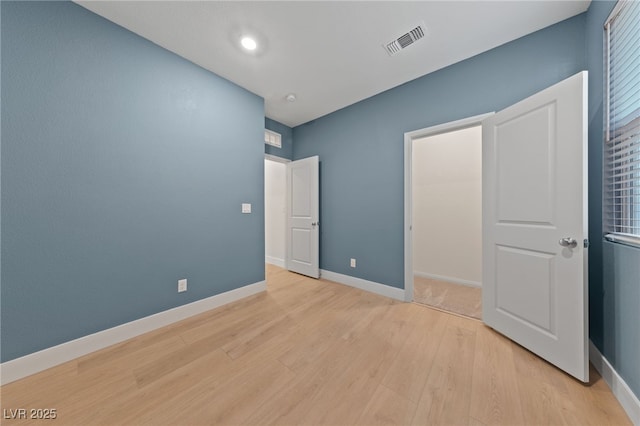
(132,407)
(408,374)
(387,407)
(292,404)
(348,392)
(319,338)
(315,352)
(149,372)
(594,398)
(495,399)
(217,401)
(297,404)
(447,394)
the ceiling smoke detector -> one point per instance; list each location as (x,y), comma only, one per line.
(405,40)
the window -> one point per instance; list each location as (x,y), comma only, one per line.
(272,138)
(622,124)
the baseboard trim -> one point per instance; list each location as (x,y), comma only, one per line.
(274,261)
(448,279)
(38,361)
(370,286)
(623,393)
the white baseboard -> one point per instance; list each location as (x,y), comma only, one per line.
(274,261)
(448,279)
(619,387)
(38,361)
(370,286)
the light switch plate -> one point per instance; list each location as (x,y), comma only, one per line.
(246,208)
(182,285)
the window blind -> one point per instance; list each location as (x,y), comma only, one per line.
(622,121)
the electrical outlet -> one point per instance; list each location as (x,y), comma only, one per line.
(182,285)
(353,263)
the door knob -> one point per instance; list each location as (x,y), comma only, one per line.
(568,242)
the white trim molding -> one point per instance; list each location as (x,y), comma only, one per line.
(277,159)
(447,279)
(623,393)
(275,261)
(38,361)
(370,286)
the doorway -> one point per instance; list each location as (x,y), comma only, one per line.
(443,216)
(534,215)
(275,175)
(447,221)
(292,214)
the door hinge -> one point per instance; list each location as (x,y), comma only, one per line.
(586,243)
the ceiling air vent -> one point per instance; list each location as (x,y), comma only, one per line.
(405,40)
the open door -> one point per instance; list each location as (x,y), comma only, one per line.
(534,207)
(302,244)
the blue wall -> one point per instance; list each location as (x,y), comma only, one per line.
(287,139)
(361,146)
(618,333)
(123,170)
(614,269)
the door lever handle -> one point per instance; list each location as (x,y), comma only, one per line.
(568,242)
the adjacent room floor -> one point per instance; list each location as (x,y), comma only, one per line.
(315,352)
(457,298)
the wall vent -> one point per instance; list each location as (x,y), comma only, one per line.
(405,40)
(272,138)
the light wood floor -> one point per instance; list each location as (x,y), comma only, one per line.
(314,352)
(457,298)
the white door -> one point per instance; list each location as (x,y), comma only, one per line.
(534,164)
(303,237)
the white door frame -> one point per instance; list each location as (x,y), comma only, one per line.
(409,137)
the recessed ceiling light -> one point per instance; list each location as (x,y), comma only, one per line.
(291,97)
(248,43)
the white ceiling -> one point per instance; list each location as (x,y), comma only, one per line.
(329,53)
